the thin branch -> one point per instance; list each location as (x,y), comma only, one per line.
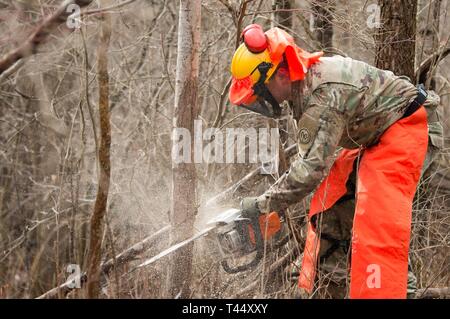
(48,24)
(98,215)
(430,62)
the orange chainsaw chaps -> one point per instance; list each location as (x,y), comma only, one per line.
(269,224)
(387,180)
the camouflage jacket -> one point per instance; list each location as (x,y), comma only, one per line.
(341,103)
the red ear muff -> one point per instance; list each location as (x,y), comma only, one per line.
(254,38)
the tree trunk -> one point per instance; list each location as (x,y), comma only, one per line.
(282,19)
(97,218)
(184,208)
(395,40)
(323,27)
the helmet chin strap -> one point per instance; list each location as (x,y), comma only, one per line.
(262,91)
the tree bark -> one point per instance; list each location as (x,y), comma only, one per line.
(97,218)
(184,207)
(395,40)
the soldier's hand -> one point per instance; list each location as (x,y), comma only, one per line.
(249,207)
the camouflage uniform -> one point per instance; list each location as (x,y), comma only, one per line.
(342,103)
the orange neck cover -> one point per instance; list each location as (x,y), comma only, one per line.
(298,60)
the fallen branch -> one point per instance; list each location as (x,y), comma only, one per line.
(124,257)
(11,70)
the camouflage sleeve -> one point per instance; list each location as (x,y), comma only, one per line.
(319,130)
(435,116)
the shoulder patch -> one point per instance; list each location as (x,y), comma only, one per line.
(308,125)
(304,136)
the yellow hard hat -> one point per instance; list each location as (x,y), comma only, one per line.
(244,69)
(245,63)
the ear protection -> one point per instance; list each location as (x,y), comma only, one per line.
(254,38)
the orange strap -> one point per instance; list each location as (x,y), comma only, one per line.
(333,187)
(388,176)
(308,267)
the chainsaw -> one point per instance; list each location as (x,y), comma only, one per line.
(238,237)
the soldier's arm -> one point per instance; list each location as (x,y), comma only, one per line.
(319,130)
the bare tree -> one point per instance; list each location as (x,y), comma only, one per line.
(97,218)
(184,206)
(323,22)
(396,39)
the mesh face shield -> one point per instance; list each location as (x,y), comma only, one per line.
(265,103)
(262,107)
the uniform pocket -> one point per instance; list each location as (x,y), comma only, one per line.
(436,134)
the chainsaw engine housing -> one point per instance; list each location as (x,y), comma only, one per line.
(239,237)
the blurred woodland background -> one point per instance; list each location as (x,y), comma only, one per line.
(86,119)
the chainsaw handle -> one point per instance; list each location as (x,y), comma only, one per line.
(241,268)
(259,250)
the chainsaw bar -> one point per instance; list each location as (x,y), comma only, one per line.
(175,247)
(232,233)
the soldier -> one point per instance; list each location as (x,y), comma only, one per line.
(360,214)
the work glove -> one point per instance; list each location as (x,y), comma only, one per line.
(249,207)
